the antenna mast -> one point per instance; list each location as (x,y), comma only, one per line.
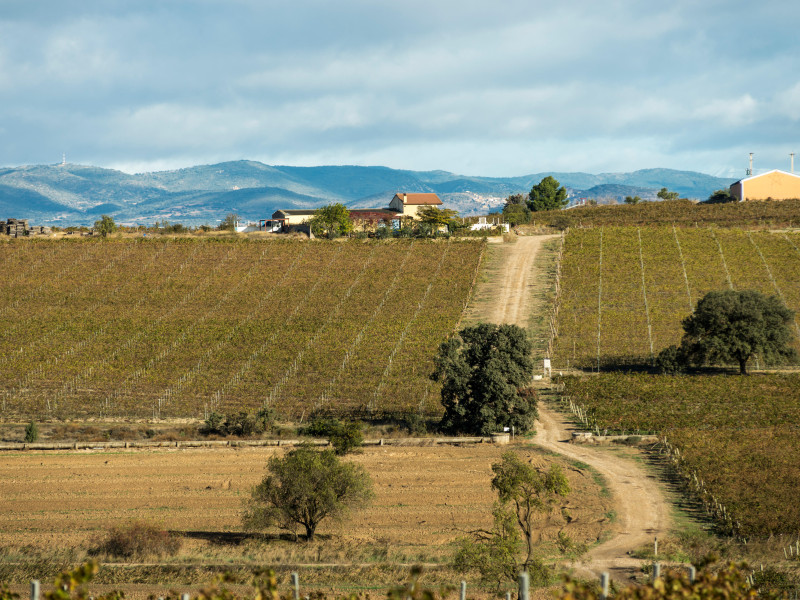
(791,162)
(750,170)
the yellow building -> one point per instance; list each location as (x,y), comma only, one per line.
(408,205)
(774,185)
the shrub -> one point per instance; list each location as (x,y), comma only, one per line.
(344,436)
(31,432)
(139,540)
(670,360)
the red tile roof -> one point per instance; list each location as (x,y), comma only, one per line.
(419,198)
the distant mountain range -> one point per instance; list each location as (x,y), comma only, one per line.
(76,194)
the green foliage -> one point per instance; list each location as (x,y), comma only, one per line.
(105,225)
(242,424)
(632,199)
(331,221)
(721,197)
(516,211)
(437,217)
(482,370)
(732,326)
(548,194)
(530,491)
(31,432)
(344,436)
(493,554)
(665,194)
(303,488)
(139,540)
(229,223)
(560,222)
(670,360)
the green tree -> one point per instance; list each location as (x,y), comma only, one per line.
(665,194)
(305,487)
(31,432)
(529,492)
(548,194)
(494,554)
(732,326)
(484,370)
(437,217)
(720,197)
(525,495)
(632,199)
(516,211)
(229,223)
(105,225)
(331,221)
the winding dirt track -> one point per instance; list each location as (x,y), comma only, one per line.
(642,511)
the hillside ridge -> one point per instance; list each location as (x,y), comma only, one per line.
(75,194)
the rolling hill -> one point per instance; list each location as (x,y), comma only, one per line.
(76,194)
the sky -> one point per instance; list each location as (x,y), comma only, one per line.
(477,87)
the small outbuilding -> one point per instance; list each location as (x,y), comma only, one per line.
(773,185)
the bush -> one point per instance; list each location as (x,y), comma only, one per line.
(670,360)
(242,424)
(139,540)
(344,436)
(31,432)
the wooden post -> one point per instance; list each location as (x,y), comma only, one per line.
(655,547)
(463,594)
(692,574)
(35,589)
(295,586)
(184,596)
(508,595)
(604,585)
(524,586)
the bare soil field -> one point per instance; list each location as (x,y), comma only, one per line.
(57,506)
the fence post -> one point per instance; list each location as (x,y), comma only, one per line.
(184,596)
(692,574)
(35,589)
(655,547)
(656,570)
(604,585)
(524,586)
(508,595)
(295,586)
(463,594)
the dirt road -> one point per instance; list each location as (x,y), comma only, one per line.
(514,303)
(641,509)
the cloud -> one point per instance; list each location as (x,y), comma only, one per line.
(470,86)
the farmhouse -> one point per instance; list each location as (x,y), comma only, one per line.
(408,205)
(402,206)
(775,185)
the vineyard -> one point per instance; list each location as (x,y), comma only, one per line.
(178,328)
(626,289)
(736,434)
(783,213)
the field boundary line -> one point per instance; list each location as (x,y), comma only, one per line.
(771,277)
(145,444)
(722,256)
(599,298)
(683,265)
(644,293)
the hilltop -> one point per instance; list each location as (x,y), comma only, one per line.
(77,194)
